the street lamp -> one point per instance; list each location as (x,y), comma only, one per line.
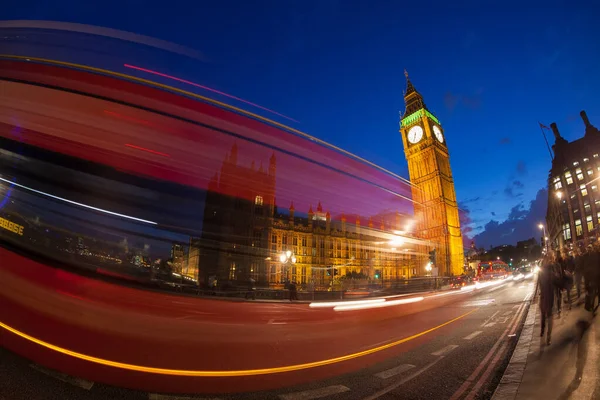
(428,268)
(286,258)
(543,228)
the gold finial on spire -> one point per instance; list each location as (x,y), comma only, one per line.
(405,73)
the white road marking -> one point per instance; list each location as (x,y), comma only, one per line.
(316,393)
(403,381)
(155,396)
(82,383)
(394,371)
(479,303)
(445,350)
(490,318)
(272,322)
(472,335)
(506,313)
(489,325)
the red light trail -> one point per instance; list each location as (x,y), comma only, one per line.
(148,150)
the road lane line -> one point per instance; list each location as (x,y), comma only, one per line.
(490,318)
(394,371)
(388,389)
(487,373)
(71,380)
(229,373)
(461,390)
(316,393)
(445,350)
(472,335)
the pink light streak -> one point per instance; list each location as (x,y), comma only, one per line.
(207,88)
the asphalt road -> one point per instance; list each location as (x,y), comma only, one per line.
(461,360)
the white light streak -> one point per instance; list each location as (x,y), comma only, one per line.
(78,204)
(345,303)
(344,307)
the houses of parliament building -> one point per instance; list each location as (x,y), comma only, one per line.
(246,236)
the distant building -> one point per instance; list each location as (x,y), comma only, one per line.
(178,257)
(244,236)
(573,214)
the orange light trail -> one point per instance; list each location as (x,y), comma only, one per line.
(206,88)
(232,373)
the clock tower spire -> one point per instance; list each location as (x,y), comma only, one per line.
(436,209)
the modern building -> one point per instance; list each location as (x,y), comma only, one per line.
(436,209)
(573,214)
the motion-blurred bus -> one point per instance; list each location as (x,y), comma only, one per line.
(489,270)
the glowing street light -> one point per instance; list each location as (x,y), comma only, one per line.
(286,258)
(559,195)
(397,241)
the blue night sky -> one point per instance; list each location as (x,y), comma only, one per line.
(337,68)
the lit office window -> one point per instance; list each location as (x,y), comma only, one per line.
(232,271)
(586,159)
(587,208)
(258,200)
(578,228)
(590,171)
(557,183)
(596,155)
(568,177)
(590,223)
(583,189)
(576,163)
(567,231)
(579,174)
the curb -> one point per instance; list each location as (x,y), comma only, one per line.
(508,387)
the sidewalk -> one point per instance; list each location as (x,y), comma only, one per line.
(569,368)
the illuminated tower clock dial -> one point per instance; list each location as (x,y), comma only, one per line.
(438,133)
(415,134)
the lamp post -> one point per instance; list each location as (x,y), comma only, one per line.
(559,196)
(543,228)
(286,258)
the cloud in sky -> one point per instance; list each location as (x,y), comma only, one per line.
(521,168)
(522,223)
(471,102)
(505,140)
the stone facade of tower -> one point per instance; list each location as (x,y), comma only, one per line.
(436,209)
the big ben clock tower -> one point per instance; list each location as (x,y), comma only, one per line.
(436,210)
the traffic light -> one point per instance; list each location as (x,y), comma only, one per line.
(377,274)
(328,272)
(432,257)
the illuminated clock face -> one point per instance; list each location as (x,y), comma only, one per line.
(415,134)
(438,133)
